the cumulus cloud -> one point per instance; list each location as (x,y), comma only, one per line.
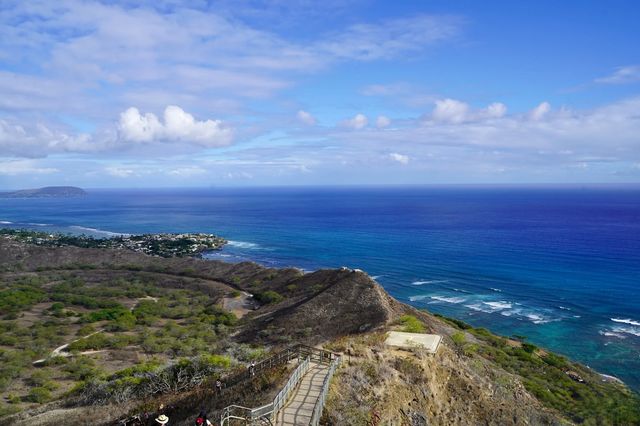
(382,122)
(496,110)
(400,158)
(622,75)
(139,128)
(306,118)
(359,121)
(450,110)
(178,126)
(539,112)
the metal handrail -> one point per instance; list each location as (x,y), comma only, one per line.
(299,351)
(269,410)
(317,409)
(293,381)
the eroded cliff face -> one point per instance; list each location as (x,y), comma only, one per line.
(387,386)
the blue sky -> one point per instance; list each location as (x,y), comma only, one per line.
(200,93)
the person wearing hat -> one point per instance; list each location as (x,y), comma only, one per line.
(162,419)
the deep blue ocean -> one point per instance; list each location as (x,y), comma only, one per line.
(558,265)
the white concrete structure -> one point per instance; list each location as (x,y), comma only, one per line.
(428,342)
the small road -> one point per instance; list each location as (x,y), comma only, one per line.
(299,409)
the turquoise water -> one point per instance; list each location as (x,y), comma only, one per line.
(561,266)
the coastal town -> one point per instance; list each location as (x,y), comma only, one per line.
(161,245)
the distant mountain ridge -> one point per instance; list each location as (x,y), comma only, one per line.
(46,192)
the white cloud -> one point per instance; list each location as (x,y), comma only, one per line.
(197,57)
(306,118)
(359,121)
(391,38)
(496,110)
(238,175)
(400,158)
(24,167)
(622,75)
(450,110)
(120,172)
(539,112)
(382,122)
(38,140)
(139,128)
(185,172)
(178,126)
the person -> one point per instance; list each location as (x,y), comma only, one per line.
(252,369)
(202,419)
(162,419)
(218,386)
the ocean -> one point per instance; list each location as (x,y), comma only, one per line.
(558,265)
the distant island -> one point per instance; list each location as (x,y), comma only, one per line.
(161,245)
(46,192)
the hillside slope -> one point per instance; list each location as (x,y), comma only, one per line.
(475,378)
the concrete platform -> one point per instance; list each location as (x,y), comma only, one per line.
(428,342)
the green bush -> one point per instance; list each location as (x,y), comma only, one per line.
(268,297)
(82,368)
(412,324)
(124,322)
(458,338)
(20,298)
(455,322)
(593,402)
(94,341)
(105,314)
(216,361)
(39,395)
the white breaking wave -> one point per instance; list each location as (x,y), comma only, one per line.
(491,307)
(98,231)
(540,319)
(499,305)
(453,300)
(39,224)
(243,244)
(5,222)
(626,321)
(612,334)
(634,331)
(480,308)
(497,290)
(417,298)
(428,282)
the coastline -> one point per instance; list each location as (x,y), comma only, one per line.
(333,307)
(520,257)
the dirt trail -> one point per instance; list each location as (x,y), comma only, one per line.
(240,305)
(58,351)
